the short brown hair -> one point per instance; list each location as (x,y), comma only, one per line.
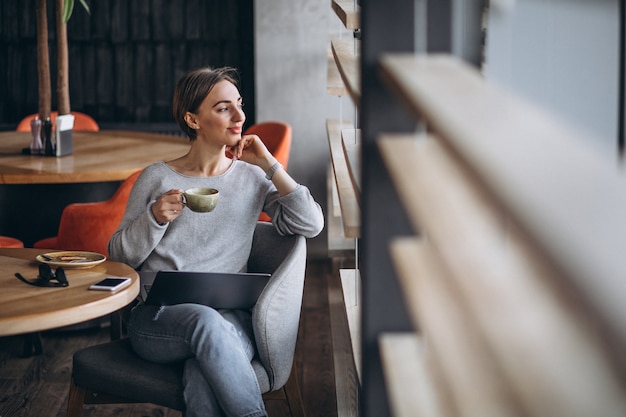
(193,88)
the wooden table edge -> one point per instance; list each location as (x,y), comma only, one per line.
(30,323)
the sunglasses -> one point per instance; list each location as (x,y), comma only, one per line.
(47,278)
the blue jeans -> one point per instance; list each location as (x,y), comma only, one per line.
(217,347)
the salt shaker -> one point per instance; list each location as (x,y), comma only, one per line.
(36,147)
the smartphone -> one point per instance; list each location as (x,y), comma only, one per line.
(111,284)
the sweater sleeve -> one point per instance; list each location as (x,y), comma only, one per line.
(138,233)
(296,213)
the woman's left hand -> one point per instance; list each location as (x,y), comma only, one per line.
(252,150)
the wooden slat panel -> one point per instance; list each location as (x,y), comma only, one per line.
(348,12)
(351,212)
(346,54)
(407,376)
(507,286)
(570,199)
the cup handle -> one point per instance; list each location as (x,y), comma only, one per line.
(183,199)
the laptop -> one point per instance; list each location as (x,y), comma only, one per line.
(235,290)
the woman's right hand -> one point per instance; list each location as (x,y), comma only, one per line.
(168,206)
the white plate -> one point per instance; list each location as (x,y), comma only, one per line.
(72,259)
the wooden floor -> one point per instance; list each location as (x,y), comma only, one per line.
(38,386)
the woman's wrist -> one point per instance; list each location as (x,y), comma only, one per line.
(270,172)
(267,164)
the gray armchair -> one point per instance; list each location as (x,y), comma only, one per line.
(113,373)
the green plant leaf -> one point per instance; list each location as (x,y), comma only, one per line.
(68,7)
(85,5)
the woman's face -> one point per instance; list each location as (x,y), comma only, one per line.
(220,117)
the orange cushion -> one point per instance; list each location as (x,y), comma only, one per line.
(89,226)
(47,243)
(10,242)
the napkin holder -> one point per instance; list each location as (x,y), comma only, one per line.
(64,138)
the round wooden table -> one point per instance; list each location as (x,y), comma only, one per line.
(29,309)
(34,189)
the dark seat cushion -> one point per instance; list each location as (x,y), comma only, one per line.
(114,368)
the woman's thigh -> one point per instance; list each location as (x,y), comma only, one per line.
(169,333)
(162,334)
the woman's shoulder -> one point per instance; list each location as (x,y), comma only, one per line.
(154,174)
(155,166)
(159,169)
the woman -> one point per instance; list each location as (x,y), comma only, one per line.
(158,232)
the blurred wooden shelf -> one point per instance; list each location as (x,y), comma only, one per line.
(408,378)
(537,168)
(465,376)
(469,287)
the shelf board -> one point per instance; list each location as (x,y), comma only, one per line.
(351,287)
(347,383)
(348,12)
(351,142)
(338,243)
(334,83)
(346,53)
(348,198)
(410,386)
(553,184)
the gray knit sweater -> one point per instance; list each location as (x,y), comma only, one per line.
(215,241)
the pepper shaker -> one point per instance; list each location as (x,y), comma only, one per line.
(47,137)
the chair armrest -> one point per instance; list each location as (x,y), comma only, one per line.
(276,315)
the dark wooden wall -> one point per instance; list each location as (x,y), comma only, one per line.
(126,56)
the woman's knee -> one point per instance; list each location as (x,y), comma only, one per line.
(207,317)
(209,325)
